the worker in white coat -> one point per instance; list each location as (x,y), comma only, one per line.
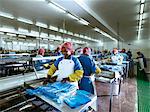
(116,57)
(66,68)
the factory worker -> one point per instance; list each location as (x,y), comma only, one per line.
(58,51)
(116,57)
(41,52)
(89,67)
(142,65)
(66,68)
(39,63)
(124,54)
(142,60)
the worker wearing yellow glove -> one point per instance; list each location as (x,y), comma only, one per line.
(66,68)
(89,67)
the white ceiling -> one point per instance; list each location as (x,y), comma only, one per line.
(114,13)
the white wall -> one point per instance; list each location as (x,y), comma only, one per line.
(110,45)
(135,46)
(139,45)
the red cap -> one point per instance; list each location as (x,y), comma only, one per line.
(87,51)
(68,47)
(41,51)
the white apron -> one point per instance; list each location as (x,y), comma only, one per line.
(65,68)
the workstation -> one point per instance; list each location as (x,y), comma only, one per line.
(74,56)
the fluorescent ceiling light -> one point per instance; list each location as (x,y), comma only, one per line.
(24,20)
(23,30)
(45,39)
(44,34)
(140,23)
(82,21)
(97,29)
(77,35)
(31,44)
(41,24)
(41,0)
(50,40)
(57,7)
(67,39)
(10,34)
(81,36)
(34,33)
(58,38)
(72,16)
(142,8)
(85,37)
(70,33)
(61,30)
(139,27)
(105,34)
(1,33)
(22,36)
(142,1)
(7,15)
(65,31)
(8,29)
(52,36)
(79,1)
(141,17)
(53,28)
(139,34)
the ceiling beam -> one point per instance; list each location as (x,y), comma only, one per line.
(98,18)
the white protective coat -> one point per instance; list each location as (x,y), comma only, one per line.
(65,68)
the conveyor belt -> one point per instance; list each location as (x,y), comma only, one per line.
(17,80)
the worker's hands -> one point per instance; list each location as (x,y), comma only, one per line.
(49,79)
(53,79)
(65,80)
(45,81)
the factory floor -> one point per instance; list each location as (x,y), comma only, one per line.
(126,101)
(134,95)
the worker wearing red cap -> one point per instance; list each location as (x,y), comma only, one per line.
(89,67)
(41,51)
(116,57)
(39,64)
(66,68)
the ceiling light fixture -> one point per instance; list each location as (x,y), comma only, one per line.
(69,33)
(97,29)
(140,23)
(7,15)
(142,1)
(142,8)
(11,34)
(104,34)
(8,29)
(24,20)
(2,33)
(53,28)
(57,7)
(140,18)
(72,16)
(84,22)
(139,34)
(22,36)
(34,33)
(22,30)
(41,24)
